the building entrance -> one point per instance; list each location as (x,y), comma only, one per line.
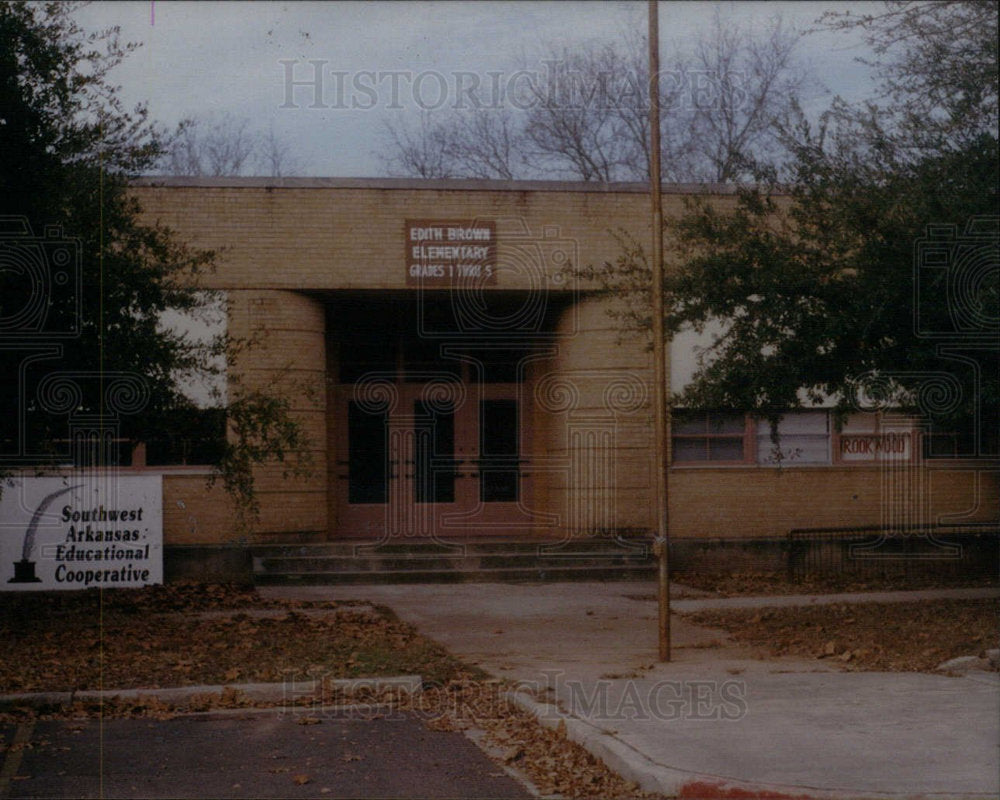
(432,433)
(431,460)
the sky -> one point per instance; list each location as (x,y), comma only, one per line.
(384,61)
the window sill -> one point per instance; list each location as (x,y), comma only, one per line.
(178,469)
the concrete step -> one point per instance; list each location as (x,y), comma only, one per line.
(437,562)
(431,547)
(403,563)
(499,575)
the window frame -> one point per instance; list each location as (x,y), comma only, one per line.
(746,438)
(756,428)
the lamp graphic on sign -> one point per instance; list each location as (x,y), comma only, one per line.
(24,570)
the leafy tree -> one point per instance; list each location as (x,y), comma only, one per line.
(817,282)
(68,149)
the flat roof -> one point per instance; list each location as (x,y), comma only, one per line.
(454,185)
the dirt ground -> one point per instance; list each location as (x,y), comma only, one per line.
(184,635)
(895,637)
(749,583)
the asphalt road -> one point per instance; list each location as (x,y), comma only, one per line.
(247,754)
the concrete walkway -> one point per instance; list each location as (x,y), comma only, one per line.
(715,721)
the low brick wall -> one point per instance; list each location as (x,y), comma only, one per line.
(208,563)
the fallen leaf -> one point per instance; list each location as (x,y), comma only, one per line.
(512,754)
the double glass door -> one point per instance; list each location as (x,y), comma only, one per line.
(443,458)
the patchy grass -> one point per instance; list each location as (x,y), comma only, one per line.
(894,637)
(189,635)
(739,584)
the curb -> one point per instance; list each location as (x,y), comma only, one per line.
(651,776)
(264,692)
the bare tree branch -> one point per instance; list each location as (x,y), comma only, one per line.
(225,146)
(420,152)
(276,156)
(586,114)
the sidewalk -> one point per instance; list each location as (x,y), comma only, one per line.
(714,722)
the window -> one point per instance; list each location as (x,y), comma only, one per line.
(434,461)
(368,462)
(717,437)
(410,341)
(809,438)
(947,444)
(188,436)
(965,437)
(803,438)
(709,436)
(498,451)
(370,349)
(497,365)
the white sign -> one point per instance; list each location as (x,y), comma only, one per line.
(875,447)
(81,531)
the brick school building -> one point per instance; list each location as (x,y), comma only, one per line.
(457,381)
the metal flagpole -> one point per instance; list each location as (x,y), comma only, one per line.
(661,548)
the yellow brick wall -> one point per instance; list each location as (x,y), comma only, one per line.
(592,417)
(195,514)
(288,355)
(283,250)
(318,238)
(734,502)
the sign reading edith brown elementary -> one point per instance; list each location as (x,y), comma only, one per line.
(81,531)
(449,252)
